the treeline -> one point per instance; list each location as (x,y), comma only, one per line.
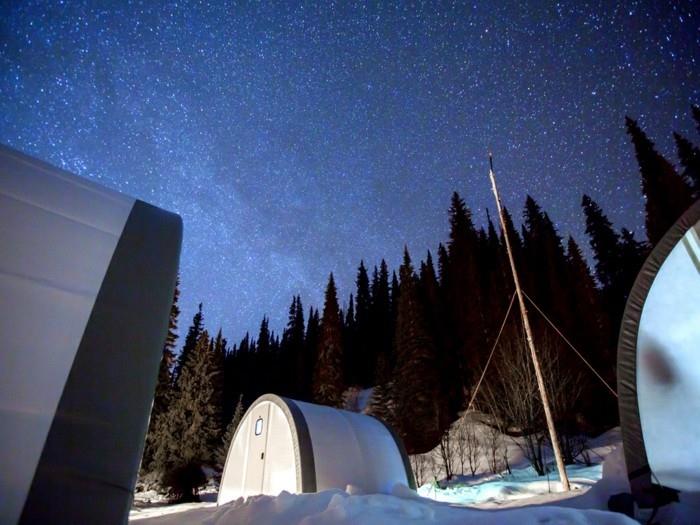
(420,336)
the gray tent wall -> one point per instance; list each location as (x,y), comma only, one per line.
(638,368)
(86,283)
(283,444)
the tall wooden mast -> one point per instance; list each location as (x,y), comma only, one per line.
(528,336)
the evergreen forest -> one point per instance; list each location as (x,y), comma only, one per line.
(420,335)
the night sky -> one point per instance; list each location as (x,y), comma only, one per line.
(297,140)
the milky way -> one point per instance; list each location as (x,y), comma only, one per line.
(295,141)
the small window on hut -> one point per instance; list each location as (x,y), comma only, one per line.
(258,426)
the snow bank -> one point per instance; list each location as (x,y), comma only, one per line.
(336,507)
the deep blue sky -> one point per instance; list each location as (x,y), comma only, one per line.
(297,140)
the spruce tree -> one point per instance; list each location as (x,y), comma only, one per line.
(689,155)
(328,373)
(313,328)
(193,425)
(163,392)
(463,294)
(363,341)
(292,351)
(542,248)
(352,360)
(667,195)
(415,388)
(191,339)
(382,327)
(450,395)
(216,403)
(222,450)
(632,255)
(604,241)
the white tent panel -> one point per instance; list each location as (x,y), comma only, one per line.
(279,451)
(86,285)
(668,368)
(352,449)
(44,210)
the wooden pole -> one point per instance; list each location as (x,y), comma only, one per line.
(530,342)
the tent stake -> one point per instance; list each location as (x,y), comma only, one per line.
(530,342)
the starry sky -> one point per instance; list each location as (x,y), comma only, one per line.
(296,139)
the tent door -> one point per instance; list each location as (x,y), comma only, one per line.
(258,440)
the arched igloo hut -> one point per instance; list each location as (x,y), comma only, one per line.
(659,368)
(283,444)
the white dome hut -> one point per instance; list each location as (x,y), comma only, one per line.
(282,444)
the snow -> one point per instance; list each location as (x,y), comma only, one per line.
(522,483)
(403,506)
(443,506)
(518,499)
(490,491)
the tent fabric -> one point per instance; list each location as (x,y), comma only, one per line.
(646,492)
(324,447)
(86,283)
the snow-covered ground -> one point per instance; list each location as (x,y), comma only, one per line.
(490,491)
(521,498)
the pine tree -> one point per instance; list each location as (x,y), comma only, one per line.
(382,327)
(313,328)
(415,388)
(163,392)
(193,425)
(542,248)
(222,451)
(450,395)
(667,194)
(590,332)
(363,341)
(191,339)
(604,242)
(352,360)
(328,373)
(463,294)
(292,352)
(689,156)
(632,255)
(591,335)
(217,356)
(618,260)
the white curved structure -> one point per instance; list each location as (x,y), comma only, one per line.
(86,283)
(659,369)
(282,444)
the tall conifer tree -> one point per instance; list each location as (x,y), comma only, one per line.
(363,333)
(415,387)
(191,339)
(193,423)
(163,393)
(667,194)
(689,155)
(328,373)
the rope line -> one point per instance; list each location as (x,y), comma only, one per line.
(570,345)
(493,349)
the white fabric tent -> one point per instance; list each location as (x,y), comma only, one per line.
(659,368)
(86,283)
(282,444)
